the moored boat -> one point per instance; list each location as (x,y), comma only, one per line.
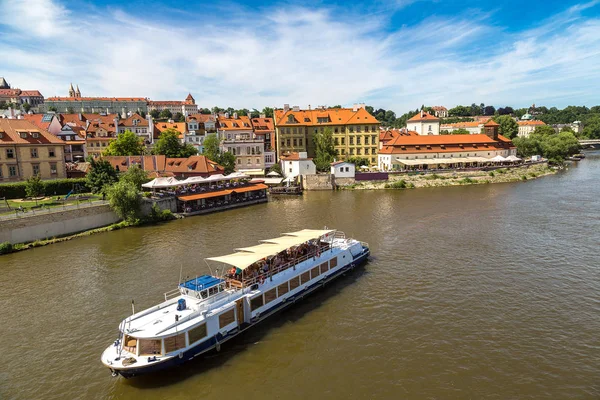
(203,313)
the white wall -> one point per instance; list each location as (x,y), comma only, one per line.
(345,170)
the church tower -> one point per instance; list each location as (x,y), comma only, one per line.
(71,91)
(4,84)
(77,92)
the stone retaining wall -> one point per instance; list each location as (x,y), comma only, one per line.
(43,226)
(317,182)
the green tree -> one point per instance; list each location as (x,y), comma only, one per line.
(134,175)
(324,149)
(227,161)
(508,126)
(34,186)
(591,129)
(26,107)
(126,144)
(268,111)
(179,117)
(52,108)
(460,131)
(276,168)
(166,114)
(489,110)
(124,199)
(100,174)
(142,114)
(155,114)
(544,130)
(170,145)
(358,161)
(205,111)
(254,113)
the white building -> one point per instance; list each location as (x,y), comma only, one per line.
(527,127)
(440,111)
(297,164)
(424,124)
(342,169)
(186,107)
(474,127)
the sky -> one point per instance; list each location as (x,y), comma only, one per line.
(392,54)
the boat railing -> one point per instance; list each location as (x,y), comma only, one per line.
(263,276)
(364,244)
(339,235)
(172,293)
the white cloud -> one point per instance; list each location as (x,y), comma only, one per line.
(299,56)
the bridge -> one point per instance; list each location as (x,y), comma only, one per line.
(589,142)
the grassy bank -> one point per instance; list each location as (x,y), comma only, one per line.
(415,180)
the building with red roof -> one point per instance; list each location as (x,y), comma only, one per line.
(424,124)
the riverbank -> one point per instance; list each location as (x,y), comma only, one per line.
(455,178)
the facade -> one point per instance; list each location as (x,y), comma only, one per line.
(238,137)
(526,127)
(440,111)
(355,131)
(100,131)
(342,169)
(186,107)
(27,150)
(264,128)
(138,125)
(75,103)
(442,151)
(296,164)
(17,96)
(198,126)
(424,124)
(574,126)
(474,127)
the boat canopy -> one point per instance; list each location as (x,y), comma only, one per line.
(246,256)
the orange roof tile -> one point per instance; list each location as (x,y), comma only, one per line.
(443,143)
(424,116)
(293,157)
(533,122)
(37,120)
(11,130)
(180,127)
(57,98)
(135,116)
(331,116)
(263,125)
(232,124)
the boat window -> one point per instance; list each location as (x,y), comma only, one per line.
(270,295)
(197,333)
(294,283)
(213,290)
(333,263)
(130,344)
(282,289)
(305,277)
(256,302)
(314,272)
(174,343)
(150,347)
(226,318)
(324,267)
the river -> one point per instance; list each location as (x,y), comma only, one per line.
(486,291)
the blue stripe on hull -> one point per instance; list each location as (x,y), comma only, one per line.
(211,343)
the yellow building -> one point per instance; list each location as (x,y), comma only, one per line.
(27,150)
(355,131)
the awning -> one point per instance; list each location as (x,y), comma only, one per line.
(158,183)
(249,255)
(253,172)
(250,188)
(219,193)
(270,181)
(437,161)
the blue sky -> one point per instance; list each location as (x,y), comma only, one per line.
(394,54)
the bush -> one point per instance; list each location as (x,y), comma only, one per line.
(466,181)
(6,248)
(17,190)
(492,174)
(401,184)
(524,177)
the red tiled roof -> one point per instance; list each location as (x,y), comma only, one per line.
(235,124)
(424,116)
(37,120)
(533,122)
(129,121)
(31,93)
(180,127)
(333,116)
(11,133)
(201,117)
(56,98)
(293,157)
(491,122)
(262,125)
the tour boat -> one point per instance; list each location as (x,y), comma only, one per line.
(206,311)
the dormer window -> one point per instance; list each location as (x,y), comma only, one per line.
(35,135)
(135,122)
(23,135)
(1,135)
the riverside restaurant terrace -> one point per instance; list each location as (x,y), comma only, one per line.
(198,195)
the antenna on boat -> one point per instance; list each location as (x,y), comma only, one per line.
(180,273)
(209,268)
(132,307)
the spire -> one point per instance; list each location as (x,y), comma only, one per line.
(77,92)
(190,99)
(3,83)
(71,91)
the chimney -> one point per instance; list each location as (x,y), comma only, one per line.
(309,106)
(262,116)
(362,105)
(355,107)
(421,113)
(226,115)
(11,113)
(235,116)
(80,117)
(286,107)
(296,108)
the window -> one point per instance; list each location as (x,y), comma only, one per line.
(295,143)
(174,343)
(373,139)
(10,153)
(149,347)
(336,142)
(300,140)
(258,160)
(198,333)
(51,152)
(34,153)
(36,169)
(351,141)
(282,289)
(429,127)
(290,170)
(357,139)
(256,302)
(358,151)
(12,170)
(224,319)
(239,160)
(343,141)
(287,142)
(0,171)
(53,169)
